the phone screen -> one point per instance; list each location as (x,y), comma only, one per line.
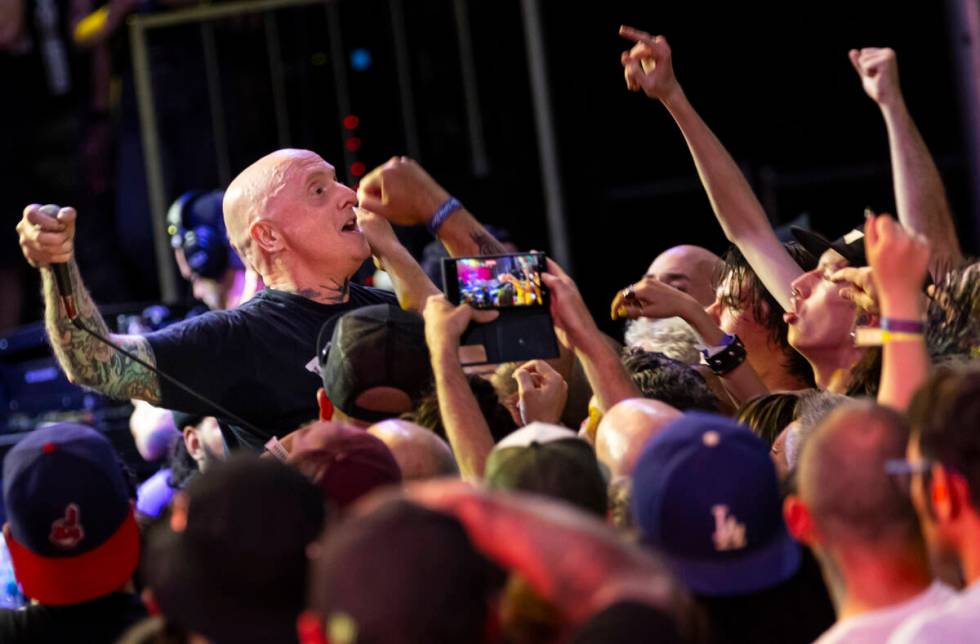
(501,282)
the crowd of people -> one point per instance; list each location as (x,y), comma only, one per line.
(784,450)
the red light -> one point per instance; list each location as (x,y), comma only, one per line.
(357,169)
(353,144)
(351,122)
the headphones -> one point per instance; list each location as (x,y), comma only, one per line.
(195,223)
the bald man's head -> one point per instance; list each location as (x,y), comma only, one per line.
(251,195)
(293,222)
(842,477)
(691,269)
(626,428)
(419,452)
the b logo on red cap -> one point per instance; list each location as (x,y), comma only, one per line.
(67,532)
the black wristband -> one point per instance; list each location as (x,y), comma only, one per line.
(726,357)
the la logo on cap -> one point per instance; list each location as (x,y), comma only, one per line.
(729,533)
(67,532)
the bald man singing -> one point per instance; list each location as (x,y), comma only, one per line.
(296,225)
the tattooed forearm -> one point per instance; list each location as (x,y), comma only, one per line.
(486,243)
(332,292)
(463,235)
(86,360)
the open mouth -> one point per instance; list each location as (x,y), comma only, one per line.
(350,226)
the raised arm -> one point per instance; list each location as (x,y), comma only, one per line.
(653,299)
(648,68)
(47,240)
(412,286)
(404,194)
(899,261)
(920,196)
(608,378)
(467,429)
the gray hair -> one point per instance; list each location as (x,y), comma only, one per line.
(672,337)
(813,407)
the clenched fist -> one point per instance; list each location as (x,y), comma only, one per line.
(401,192)
(47,234)
(878,69)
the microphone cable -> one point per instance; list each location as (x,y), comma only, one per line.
(77,323)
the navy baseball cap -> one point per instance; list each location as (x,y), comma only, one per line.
(705,494)
(71,531)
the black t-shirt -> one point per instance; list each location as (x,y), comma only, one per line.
(258,361)
(100,620)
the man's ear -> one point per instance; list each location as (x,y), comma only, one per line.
(947,493)
(266,236)
(193,443)
(326,407)
(799,521)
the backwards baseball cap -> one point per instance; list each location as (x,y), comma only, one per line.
(344,462)
(231,562)
(705,494)
(71,531)
(373,346)
(548,460)
(850,246)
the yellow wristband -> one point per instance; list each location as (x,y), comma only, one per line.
(875,337)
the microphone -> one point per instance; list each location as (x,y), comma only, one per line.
(62,276)
(62,280)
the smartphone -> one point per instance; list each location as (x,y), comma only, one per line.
(496,281)
(511,284)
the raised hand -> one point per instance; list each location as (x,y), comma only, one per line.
(401,192)
(899,261)
(542,392)
(378,232)
(445,323)
(878,69)
(857,285)
(572,318)
(651,298)
(47,234)
(647,66)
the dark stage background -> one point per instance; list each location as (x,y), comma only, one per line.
(772,79)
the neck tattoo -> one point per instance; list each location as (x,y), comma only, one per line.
(332,292)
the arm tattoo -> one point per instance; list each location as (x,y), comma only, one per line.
(87,361)
(334,292)
(486,243)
